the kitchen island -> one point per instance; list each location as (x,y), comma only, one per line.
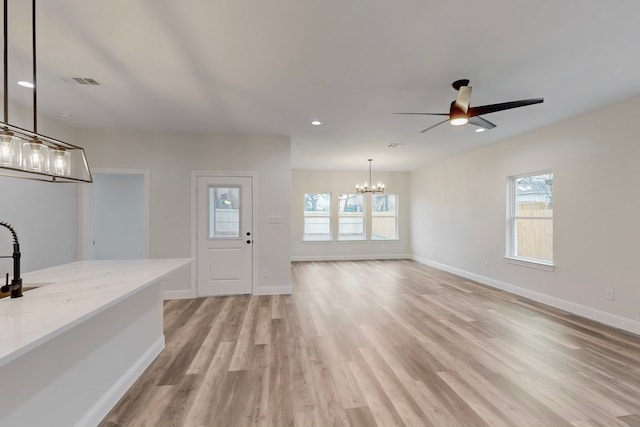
(70,348)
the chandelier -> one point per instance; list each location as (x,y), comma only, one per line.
(27,153)
(364,188)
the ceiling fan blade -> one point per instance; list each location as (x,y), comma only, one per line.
(483,123)
(492,108)
(427,114)
(437,124)
(463,98)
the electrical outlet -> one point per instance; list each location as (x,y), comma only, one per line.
(267,274)
(610,294)
(486,265)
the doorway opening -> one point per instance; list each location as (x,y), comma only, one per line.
(115,220)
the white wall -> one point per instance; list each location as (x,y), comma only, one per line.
(335,182)
(459,213)
(171,158)
(45,215)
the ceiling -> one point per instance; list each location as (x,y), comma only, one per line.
(271,67)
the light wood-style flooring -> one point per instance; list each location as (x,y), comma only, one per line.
(383,343)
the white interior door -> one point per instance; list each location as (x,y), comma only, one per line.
(225,235)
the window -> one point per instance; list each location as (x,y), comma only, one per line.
(384,217)
(224,217)
(530,224)
(351,217)
(317,217)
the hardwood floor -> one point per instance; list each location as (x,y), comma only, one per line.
(384,343)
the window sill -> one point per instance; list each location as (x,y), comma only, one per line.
(526,262)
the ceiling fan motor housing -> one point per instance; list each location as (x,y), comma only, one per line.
(457,116)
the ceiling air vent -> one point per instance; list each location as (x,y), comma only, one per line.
(82,81)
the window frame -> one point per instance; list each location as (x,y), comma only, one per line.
(512,217)
(395,216)
(213,222)
(328,214)
(362,215)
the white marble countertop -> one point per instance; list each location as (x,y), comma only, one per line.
(69,294)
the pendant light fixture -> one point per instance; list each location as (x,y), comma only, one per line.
(27,153)
(364,188)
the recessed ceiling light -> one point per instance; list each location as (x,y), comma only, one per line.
(480,130)
(26,84)
(316,122)
(65,115)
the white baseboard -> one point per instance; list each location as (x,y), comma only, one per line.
(115,393)
(267,290)
(274,290)
(183,294)
(600,316)
(348,257)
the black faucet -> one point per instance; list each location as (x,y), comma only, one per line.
(16,283)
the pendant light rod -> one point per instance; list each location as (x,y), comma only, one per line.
(33,51)
(6,62)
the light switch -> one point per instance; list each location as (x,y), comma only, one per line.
(275,220)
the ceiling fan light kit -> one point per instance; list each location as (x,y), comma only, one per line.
(461,113)
(28,154)
(459,120)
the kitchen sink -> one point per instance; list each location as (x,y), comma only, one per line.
(25,288)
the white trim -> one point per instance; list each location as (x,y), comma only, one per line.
(85,217)
(255,226)
(115,393)
(524,262)
(274,290)
(600,316)
(183,294)
(348,257)
(374,241)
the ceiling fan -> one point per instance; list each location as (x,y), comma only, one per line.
(460,113)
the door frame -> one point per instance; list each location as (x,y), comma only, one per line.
(194,221)
(86,217)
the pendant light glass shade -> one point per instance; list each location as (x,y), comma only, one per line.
(60,162)
(36,157)
(10,150)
